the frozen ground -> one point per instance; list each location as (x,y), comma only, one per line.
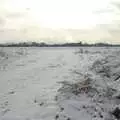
(59,83)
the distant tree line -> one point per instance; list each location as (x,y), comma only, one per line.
(42,44)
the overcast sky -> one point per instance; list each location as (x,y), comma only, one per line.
(60,20)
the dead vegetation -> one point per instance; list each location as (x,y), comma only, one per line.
(3,54)
(103,98)
(107,68)
(78,87)
(100,97)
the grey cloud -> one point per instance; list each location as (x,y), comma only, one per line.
(116,4)
(2,21)
(104,27)
(107,10)
(2,30)
(112,29)
(114,25)
(14,15)
(28,9)
(77,31)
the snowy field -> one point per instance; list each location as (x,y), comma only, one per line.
(59,83)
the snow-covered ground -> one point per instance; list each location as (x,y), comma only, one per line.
(59,83)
